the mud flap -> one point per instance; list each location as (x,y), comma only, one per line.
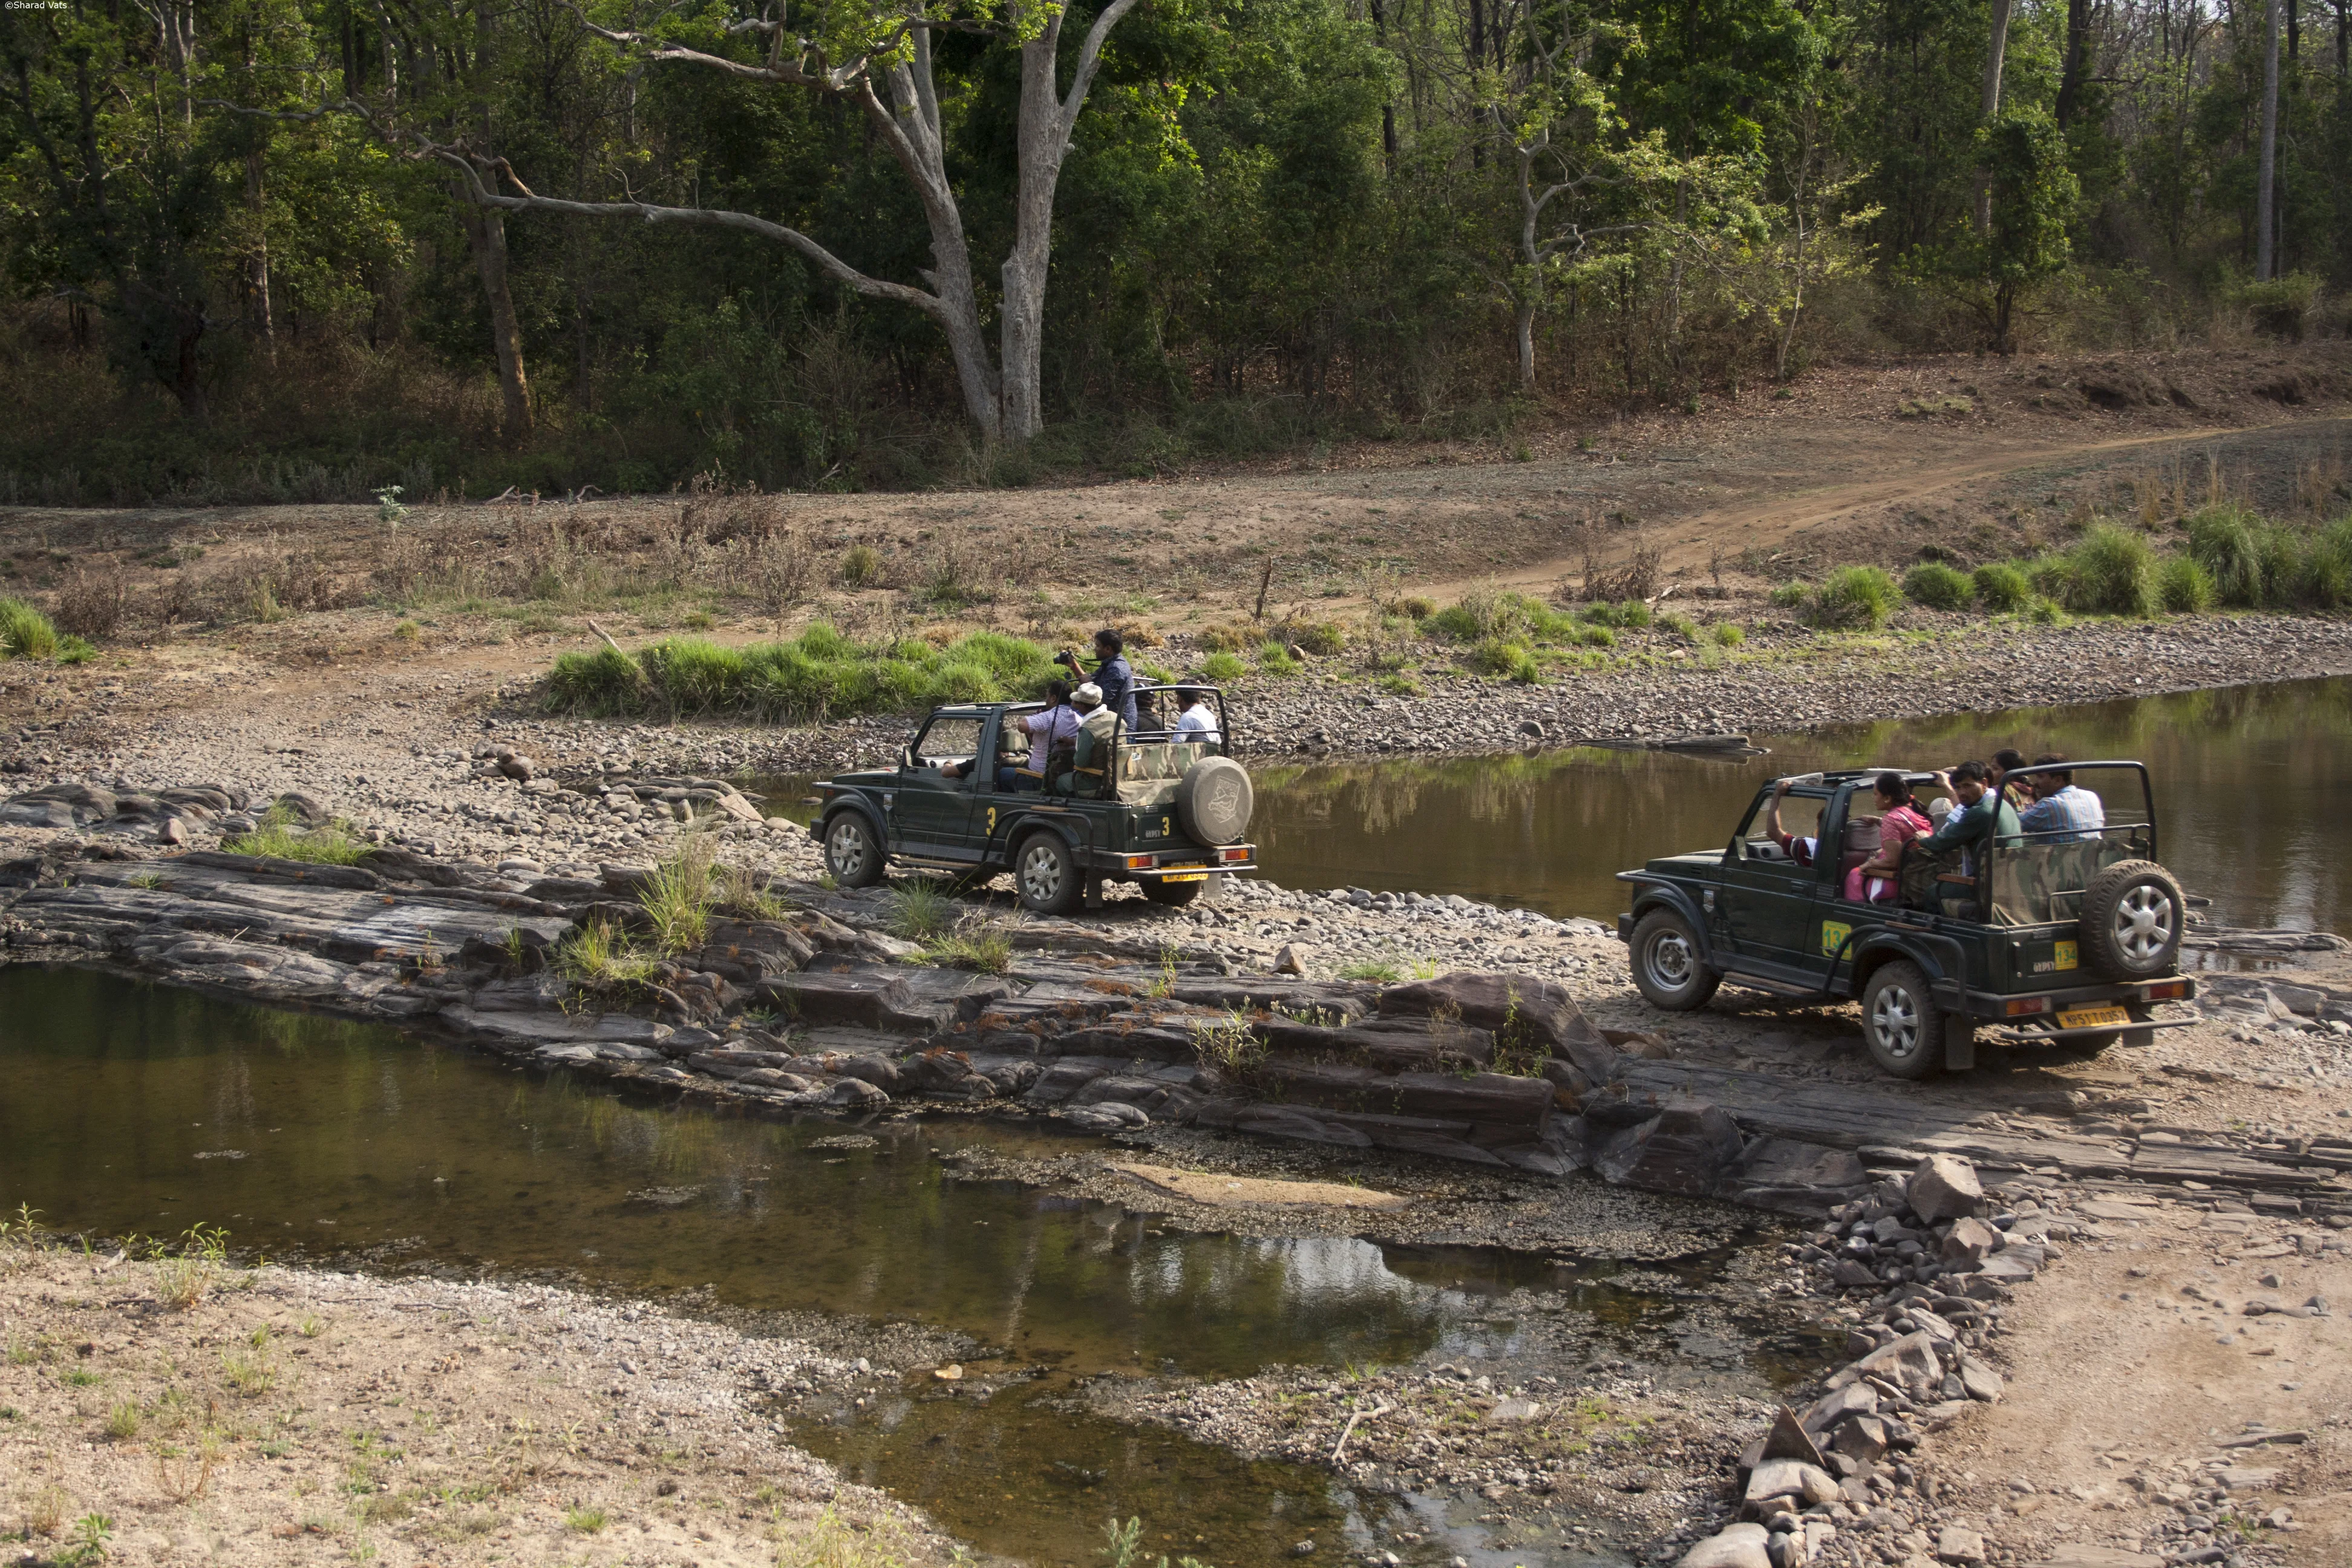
(1093,900)
(1959,1043)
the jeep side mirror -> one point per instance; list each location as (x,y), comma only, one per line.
(907,757)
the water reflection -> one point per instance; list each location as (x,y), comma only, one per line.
(2248,781)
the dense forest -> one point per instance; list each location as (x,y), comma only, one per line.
(301,249)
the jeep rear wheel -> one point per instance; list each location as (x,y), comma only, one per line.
(1901,1023)
(1667,968)
(2132,920)
(1046,875)
(850,852)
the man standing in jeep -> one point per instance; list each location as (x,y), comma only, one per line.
(1111,673)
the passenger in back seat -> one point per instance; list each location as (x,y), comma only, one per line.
(1900,820)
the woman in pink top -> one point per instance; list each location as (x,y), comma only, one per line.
(1900,820)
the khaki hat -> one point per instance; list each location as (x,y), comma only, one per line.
(1088,695)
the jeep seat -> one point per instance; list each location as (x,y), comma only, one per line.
(1149,772)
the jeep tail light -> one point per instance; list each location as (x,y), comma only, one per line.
(2169,989)
(2026,1004)
(1139,862)
(1231,855)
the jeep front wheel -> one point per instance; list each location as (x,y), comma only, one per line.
(1046,875)
(850,852)
(1666,965)
(1901,1023)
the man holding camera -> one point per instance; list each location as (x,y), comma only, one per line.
(1110,673)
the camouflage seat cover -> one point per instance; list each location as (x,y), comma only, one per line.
(2040,884)
(1148,773)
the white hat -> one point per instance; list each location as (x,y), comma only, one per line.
(1087,695)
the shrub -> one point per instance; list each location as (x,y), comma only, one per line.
(1501,657)
(1459,622)
(1414,605)
(1321,638)
(1227,639)
(2225,540)
(2183,585)
(2045,612)
(921,911)
(1937,586)
(1727,634)
(2003,588)
(91,602)
(1791,594)
(2111,572)
(1597,636)
(860,567)
(1855,596)
(1275,659)
(24,632)
(1681,626)
(1223,667)
(2329,566)
(329,844)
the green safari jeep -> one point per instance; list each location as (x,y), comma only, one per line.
(1145,808)
(2066,939)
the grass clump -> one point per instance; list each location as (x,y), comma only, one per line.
(1937,586)
(586,1521)
(1792,594)
(816,676)
(278,838)
(2183,587)
(1854,597)
(2226,540)
(919,911)
(2003,588)
(2110,572)
(1401,686)
(1273,658)
(1321,638)
(1223,667)
(1727,634)
(677,897)
(1506,661)
(983,946)
(601,958)
(1385,971)
(24,632)
(122,1421)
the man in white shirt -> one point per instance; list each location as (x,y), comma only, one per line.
(1199,720)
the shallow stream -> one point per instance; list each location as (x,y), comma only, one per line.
(133,1109)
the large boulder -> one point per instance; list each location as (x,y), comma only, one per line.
(1522,1012)
(1945,1187)
(1683,1149)
(1738,1546)
(1910,1363)
(1794,1177)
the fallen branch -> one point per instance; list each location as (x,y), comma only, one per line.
(1348,1431)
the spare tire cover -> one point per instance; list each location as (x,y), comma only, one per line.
(1213,800)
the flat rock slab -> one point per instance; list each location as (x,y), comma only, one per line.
(1254,1192)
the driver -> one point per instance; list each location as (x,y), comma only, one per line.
(1799,849)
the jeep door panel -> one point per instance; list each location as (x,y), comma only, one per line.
(932,818)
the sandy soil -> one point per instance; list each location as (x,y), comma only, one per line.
(291,1415)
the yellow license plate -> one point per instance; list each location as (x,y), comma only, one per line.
(2091,1017)
(1185,877)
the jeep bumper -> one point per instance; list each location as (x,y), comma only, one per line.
(1187,865)
(2038,1007)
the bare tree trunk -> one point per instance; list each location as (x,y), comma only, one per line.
(2077,62)
(1524,329)
(2265,179)
(256,263)
(1047,119)
(1994,55)
(486,232)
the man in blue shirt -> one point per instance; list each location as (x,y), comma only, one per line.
(1110,672)
(2062,813)
(1979,815)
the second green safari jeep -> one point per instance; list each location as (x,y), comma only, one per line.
(2065,939)
(1162,813)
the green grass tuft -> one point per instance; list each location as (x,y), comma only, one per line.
(817,675)
(1224,668)
(2003,588)
(329,844)
(24,632)
(1937,586)
(1853,597)
(919,911)
(2226,540)
(2184,587)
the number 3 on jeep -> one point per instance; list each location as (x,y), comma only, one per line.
(991,820)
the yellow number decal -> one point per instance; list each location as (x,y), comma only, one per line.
(2068,955)
(991,820)
(1832,933)
(1163,827)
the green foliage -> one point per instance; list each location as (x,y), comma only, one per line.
(678,897)
(1727,634)
(817,675)
(24,632)
(2283,307)
(2110,572)
(1273,658)
(277,836)
(2003,588)
(1937,586)
(1321,638)
(1401,686)
(2225,539)
(1855,596)
(1792,594)
(1384,971)
(600,956)
(2034,193)
(1223,668)
(1504,657)
(2183,587)
(921,911)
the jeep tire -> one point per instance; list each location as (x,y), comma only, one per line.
(851,852)
(2131,919)
(1667,968)
(1214,801)
(1900,1022)
(1046,875)
(1174,895)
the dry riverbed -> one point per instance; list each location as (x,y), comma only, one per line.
(182,1411)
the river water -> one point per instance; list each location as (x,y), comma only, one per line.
(127,1108)
(2251,787)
